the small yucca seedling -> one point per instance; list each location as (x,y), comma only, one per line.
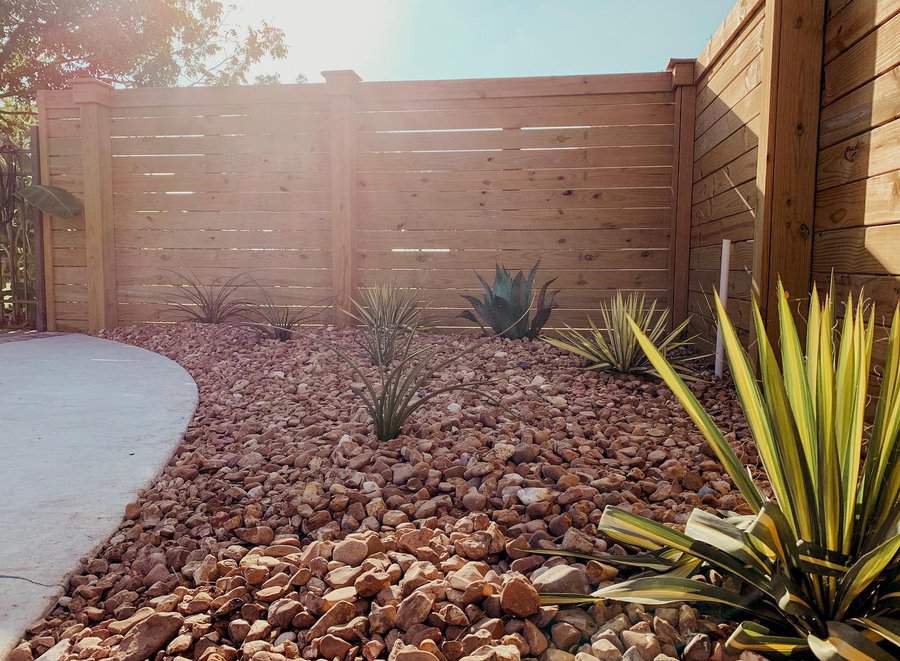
(209,304)
(506,305)
(388,314)
(818,563)
(614,347)
(400,390)
(280,322)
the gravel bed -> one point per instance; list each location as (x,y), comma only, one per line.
(282,529)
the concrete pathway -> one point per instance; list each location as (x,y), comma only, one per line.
(85,423)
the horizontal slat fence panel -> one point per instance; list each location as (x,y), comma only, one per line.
(857,211)
(448,188)
(725,190)
(446,180)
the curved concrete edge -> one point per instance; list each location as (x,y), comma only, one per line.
(91,423)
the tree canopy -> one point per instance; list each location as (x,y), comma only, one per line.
(45,44)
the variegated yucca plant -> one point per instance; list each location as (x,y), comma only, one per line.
(613,347)
(818,559)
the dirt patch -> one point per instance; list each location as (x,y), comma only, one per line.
(283,529)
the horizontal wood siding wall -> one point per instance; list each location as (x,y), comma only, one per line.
(857,218)
(450,178)
(724,196)
(451,184)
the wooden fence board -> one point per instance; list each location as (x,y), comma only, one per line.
(866,107)
(871,153)
(869,57)
(524,259)
(597,136)
(608,198)
(743,198)
(513,159)
(872,201)
(587,239)
(647,177)
(859,250)
(519,219)
(733,174)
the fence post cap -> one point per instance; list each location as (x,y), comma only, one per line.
(91,90)
(682,70)
(341,81)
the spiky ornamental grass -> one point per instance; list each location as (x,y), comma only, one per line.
(401,389)
(614,347)
(506,305)
(280,322)
(209,304)
(388,315)
(818,563)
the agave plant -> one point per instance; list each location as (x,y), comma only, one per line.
(209,304)
(388,314)
(400,390)
(614,347)
(818,560)
(505,306)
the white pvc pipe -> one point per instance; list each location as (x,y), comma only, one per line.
(724,267)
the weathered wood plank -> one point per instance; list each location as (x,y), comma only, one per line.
(260,221)
(743,198)
(857,19)
(733,174)
(739,142)
(708,258)
(859,250)
(597,136)
(737,117)
(225,201)
(737,228)
(868,154)
(552,239)
(520,219)
(872,201)
(225,239)
(523,259)
(607,198)
(514,159)
(457,278)
(649,177)
(867,107)
(871,56)
(183,260)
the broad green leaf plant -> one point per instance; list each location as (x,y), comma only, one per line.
(818,559)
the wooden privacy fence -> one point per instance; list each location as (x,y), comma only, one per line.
(781,136)
(318,189)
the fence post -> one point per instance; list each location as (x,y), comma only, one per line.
(786,162)
(683,81)
(94,98)
(37,221)
(341,87)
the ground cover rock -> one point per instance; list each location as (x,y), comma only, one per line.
(281,528)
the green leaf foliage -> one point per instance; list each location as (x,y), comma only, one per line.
(398,390)
(388,314)
(51,200)
(819,561)
(506,305)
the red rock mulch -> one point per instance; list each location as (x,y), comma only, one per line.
(282,529)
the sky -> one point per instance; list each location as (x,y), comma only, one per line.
(439,39)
